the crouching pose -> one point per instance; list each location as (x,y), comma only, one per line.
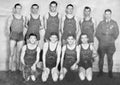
(30,58)
(87,55)
(51,58)
(70,56)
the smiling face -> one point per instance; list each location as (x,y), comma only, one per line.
(32,39)
(34,9)
(69,10)
(71,40)
(53,7)
(18,9)
(84,38)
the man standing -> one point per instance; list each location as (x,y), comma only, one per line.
(106,33)
(87,24)
(34,24)
(52,20)
(69,24)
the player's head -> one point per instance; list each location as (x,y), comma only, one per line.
(32,38)
(71,39)
(53,6)
(17,8)
(69,9)
(34,8)
(84,38)
(87,11)
(54,37)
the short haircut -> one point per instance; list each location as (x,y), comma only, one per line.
(69,5)
(32,34)
(53,2)
(54,33)
(71,35)
(35,5)
(17,4)
(83,34)
(87,7)
(108,10)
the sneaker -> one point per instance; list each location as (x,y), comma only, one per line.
(110,74)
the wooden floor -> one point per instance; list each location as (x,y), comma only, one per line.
(16,79)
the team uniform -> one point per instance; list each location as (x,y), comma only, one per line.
(107,33)
(29,59)
(16,29)
(87,27)
(34,27)
(51,57)
(70,57)
(86,58)
(69,27)
(52,25)
(85,64)
(51,61)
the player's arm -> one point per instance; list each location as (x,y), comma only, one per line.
(37,56)
(45,21)
(45,48)
(23,54)
(63,54)
(58,54)
(77,28)
(9,22)
(62,24)
(78,54)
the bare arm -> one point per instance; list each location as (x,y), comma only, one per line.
(62,24)
(9,22)
(42,33)
(60,32)
(78,54)
(58,54)
(41,42)
(77,28)
(24,25)
(94,50)
(37,56)
(41,20)
(23,54)
(45,48)
(45,21)
(95,26)
(63,53)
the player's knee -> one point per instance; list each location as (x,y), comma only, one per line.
(89,78)
(61,76)
(82,77)
(55,77)
(44,77)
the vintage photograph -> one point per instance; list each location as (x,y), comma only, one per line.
(60,42)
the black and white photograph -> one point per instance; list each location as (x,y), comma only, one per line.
(60,42)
